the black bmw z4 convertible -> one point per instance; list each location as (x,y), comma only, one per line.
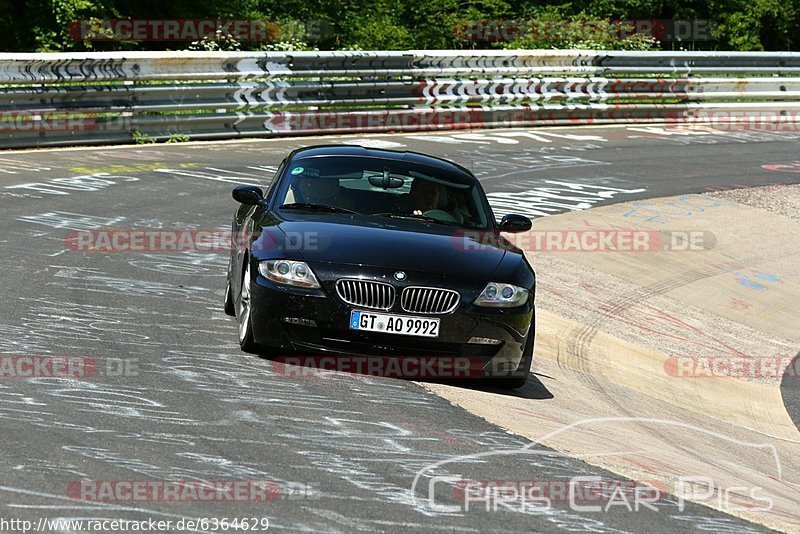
(380,253)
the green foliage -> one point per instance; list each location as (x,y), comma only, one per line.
(142,138)
(42,25)
(550,30)
(57,37)
(437,23)
(760,25)
(178,138)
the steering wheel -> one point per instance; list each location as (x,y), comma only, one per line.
(441,215)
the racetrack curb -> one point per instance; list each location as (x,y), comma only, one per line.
(609,322)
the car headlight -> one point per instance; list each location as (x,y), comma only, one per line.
(497,295)
(289,272)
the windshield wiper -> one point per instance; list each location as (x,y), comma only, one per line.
(316,207)
(424,218)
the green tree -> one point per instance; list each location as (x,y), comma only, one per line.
(42,25)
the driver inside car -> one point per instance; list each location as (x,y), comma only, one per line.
(432,200)
(423,196)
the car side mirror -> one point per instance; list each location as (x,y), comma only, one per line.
(515,224)
(248,194)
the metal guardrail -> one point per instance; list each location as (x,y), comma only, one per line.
(71,99)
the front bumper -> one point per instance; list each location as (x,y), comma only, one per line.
(318,322)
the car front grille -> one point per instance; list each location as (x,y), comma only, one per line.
(429,300)
(366,293)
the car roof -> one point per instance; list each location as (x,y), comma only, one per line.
(381,153)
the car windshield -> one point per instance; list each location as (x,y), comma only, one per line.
(384,188)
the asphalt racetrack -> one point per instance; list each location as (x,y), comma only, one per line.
(175,399)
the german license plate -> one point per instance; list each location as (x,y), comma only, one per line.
(405,325)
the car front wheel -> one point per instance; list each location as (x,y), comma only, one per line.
(243,309)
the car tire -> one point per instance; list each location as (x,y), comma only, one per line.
(520,375)
(243,312)
(230,307)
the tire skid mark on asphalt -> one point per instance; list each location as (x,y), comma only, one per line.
(613,309)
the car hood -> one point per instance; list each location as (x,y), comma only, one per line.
(393,244)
